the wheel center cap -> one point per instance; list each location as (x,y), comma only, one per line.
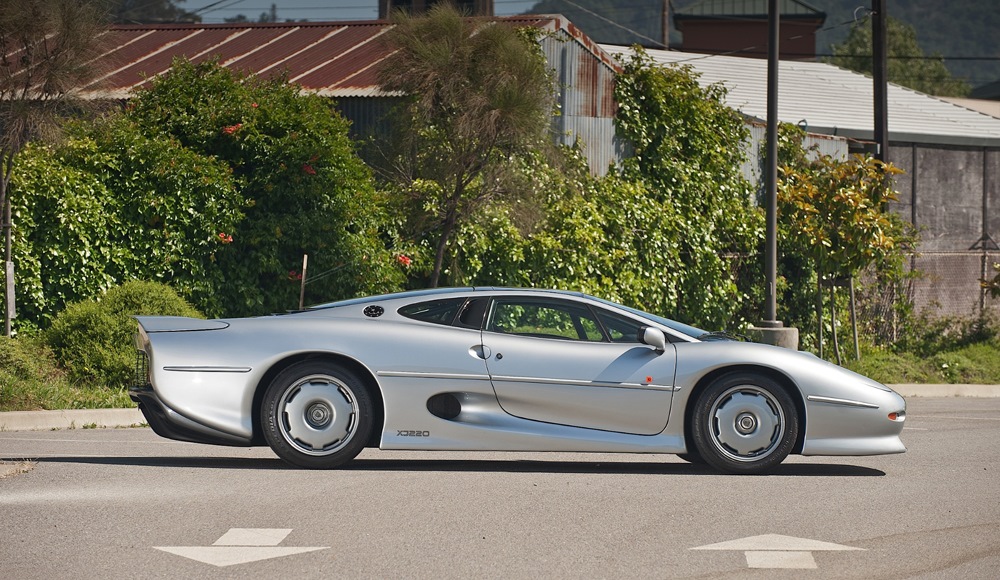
(319,415)
(746,423)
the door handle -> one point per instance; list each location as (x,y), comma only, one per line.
(480,351)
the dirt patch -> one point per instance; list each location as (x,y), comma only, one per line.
(12,468)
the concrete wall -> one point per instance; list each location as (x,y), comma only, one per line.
(951,194)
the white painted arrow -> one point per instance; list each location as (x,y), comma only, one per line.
(777,551)
(239,546)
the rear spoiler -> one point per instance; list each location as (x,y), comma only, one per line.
(178,324)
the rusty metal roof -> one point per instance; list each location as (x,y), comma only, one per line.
(336,59)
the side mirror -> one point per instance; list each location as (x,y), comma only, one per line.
(654,337)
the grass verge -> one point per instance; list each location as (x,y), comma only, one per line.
(31,380)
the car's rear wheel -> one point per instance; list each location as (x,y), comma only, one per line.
(744,423)
(317,415)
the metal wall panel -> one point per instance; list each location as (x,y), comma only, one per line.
(585,85)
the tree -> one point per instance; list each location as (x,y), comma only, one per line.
(479,93)
(110,204)
(269,16)
(907,64)
(209,181)
(660,233)
(306,189)
(835,215)
(146,11)
(46,51)
(688,147)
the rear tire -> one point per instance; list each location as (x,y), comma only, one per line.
(744,423)
(317,415)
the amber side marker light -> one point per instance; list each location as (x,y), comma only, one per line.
(897,416)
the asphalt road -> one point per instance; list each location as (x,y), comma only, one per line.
(123,503)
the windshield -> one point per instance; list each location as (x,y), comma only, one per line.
(680,327)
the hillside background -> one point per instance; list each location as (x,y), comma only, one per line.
(963,31)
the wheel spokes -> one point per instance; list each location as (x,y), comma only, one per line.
(747,424)
(318,415)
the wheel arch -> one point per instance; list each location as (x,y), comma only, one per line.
(779,377)
(361,370)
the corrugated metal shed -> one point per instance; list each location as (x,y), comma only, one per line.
(331,58)
(835,101)
(341,59)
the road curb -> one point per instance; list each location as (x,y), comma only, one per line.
(70,419)
(111,418)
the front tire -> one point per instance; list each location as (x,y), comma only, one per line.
(744,423)
(317,415)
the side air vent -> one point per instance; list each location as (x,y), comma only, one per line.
(444,405)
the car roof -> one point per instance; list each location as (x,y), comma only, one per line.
(430,292)
(685,331)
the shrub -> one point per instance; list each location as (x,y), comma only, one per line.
(92,339)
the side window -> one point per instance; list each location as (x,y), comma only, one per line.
(436,311)
(472,313)
(619,328)
(544,319)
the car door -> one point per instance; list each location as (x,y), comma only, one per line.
(570,363)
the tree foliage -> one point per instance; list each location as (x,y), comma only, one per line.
(479,93)
(688,147)
(148,11)
(906,64)
(658,233)
(111,204)
(92,338)
(607,236)
(837,211)
(213,183)
(47,49)
(306,190)
(834,227)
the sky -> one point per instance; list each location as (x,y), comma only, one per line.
(215,11)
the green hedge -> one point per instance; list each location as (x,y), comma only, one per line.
(93,340)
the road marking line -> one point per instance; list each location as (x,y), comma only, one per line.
(252,537)
(779,552)
(783,560)
(240,546)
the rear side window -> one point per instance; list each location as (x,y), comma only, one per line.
(435,311)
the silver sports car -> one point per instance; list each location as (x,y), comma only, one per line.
(491,369)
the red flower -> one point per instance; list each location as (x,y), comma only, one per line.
(404,260)
(254,105)
(293,275)
(232,128)
(308,169)
(225,238)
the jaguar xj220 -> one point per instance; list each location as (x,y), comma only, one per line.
(489,369)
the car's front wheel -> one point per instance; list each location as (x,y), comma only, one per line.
(744,423)
(317,415)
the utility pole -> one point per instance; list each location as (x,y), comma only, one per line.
(771,177)
(665,19)
(879,78)
(771,330)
